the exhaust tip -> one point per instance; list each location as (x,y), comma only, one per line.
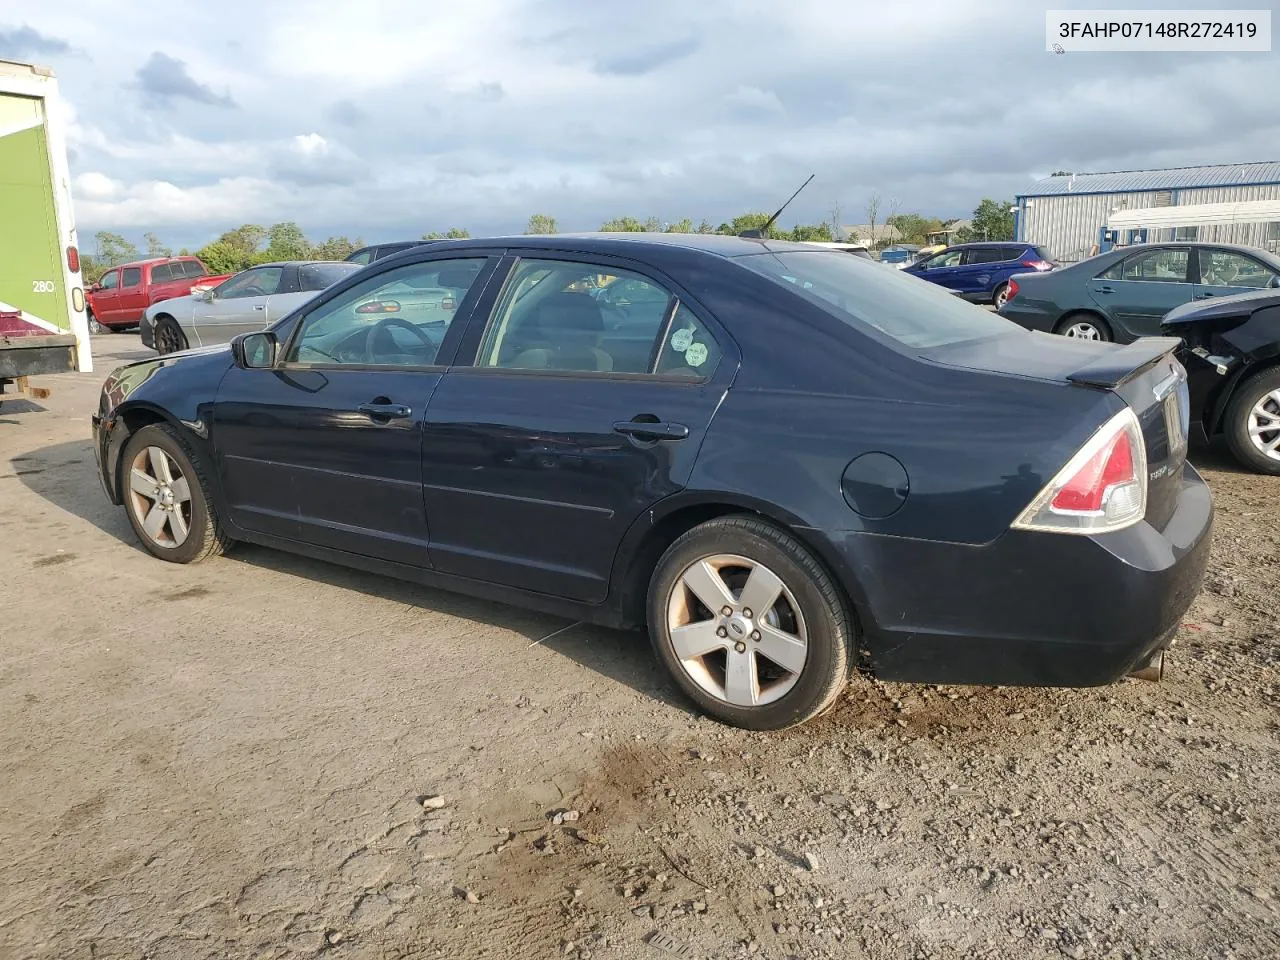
(1150,669)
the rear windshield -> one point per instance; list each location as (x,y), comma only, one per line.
(317,276)
(914,312)
(1043,253)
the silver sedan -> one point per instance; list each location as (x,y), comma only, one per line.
(247,302)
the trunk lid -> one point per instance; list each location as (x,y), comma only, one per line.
(1144,374)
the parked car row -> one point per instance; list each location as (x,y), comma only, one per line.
(784,461)
(122,295)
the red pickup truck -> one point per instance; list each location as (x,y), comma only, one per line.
(118,300)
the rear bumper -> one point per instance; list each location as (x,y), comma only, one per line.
(1031,609)
(147,331)
(1029,315)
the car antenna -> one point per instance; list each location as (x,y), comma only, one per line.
(763,232)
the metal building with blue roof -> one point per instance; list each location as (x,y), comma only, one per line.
(1078,214)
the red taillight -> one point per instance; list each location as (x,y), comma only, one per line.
(1013,290)
(379,306)
(1101,489)
(73,259)
(1037,264)
(1105,470)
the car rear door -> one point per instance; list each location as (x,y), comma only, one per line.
(1139,290)
(325,447)
(980,265)
(540,452)
(1223,273)
(238,306)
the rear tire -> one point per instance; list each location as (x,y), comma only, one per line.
(1000,296)
(1253,422)
(168,336)
(1084,326)
(166,492)
(726,663)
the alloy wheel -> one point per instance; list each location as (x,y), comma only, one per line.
(1264,425)
(160,497)
(1082,331)
(166,337)
(95,327)
(737,630)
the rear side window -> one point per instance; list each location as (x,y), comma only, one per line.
(985,255)
(362,258)
(131,277)
(193,268)
(1155,266)
(688,350)
(161,273)
(912,311)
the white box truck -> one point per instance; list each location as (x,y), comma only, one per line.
(43,327)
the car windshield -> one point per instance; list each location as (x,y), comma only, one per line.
(914,312)
(317,276)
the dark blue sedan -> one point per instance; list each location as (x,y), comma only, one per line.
(980,272)
(785,462)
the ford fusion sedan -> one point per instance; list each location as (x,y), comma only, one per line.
(248,301)
(1124,293)
(796,466)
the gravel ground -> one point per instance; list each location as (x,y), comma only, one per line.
(266,756)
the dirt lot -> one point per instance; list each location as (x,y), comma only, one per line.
(230,760)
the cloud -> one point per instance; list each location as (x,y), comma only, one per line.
(753,99)
(346,113)
(163,79)
(311,160)
(639,62)
(24,43)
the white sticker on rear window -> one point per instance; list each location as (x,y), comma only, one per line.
(696,355)
(681,339)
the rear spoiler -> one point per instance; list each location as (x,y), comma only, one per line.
(1118,366)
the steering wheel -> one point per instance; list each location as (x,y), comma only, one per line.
(370,353)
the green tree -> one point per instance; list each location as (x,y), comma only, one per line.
(630,225)
(541,223)
(1062,173)
(749,221)
(705,227)
(913,228)
(111,249)
(453,233)
(812,231)
(155,248)
(336,248)
(222,256)
(286,241)
(245,240)
(992,220)
(682,226)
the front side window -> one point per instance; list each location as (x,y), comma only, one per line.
(948,258)
(1156,266)
(564,315)
(398,318)
(110,280)
(910,310)
(132,276)
(317,276)
(259,282)
(1223,268)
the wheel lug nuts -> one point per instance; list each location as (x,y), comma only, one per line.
(740,647)
(755,634)
(722,632)
(727,611)
(746,612)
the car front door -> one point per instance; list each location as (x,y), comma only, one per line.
(324,447)
(1226,272)
(1139,290)
(942,268)
(106,300)
(540,454)
(239,305)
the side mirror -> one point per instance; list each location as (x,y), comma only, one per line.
(254,351)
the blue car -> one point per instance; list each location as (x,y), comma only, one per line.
(980,272)
(789,464)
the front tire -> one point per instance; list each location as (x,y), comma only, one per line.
(1253,422)
(95,327)
(166,491)
(749,624)
(168,336)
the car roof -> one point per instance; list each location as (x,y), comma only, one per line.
(991,243)
(628,244)
(147,260)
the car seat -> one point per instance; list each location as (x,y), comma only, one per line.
(563,333)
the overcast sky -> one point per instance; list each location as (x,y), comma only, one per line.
(387,119)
